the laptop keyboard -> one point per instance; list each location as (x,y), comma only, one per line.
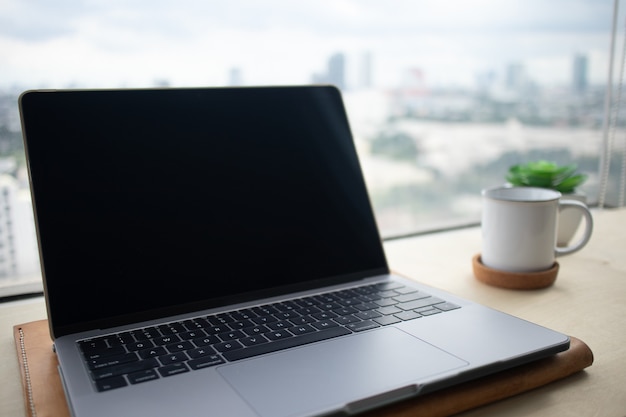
(141,355)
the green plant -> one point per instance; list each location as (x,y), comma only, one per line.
(546,174)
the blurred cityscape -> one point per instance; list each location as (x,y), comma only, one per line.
(426,151)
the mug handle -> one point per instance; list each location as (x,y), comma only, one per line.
(559,251)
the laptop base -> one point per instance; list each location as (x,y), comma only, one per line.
(44,396)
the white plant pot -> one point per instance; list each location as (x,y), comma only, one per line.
(569,219)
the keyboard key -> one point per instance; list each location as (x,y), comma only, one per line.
(201,351)
(223,328)
(200,323)
(204,341)
(385,302)
(366,298)
(446,306)
(143,344)
(345,295)
(241,324)
(173,369)
(286,306)
(346,319)
(325,315)
(264,310)
(408,315)
(279,325)
(349,302)
(173,358)
(306,311)
(172,328)
(386,320)
(370,314)
(388,310)
(362,325)
(253,340)
(411,297)
(299,330)
(104,352)
(286,343)
(388,286)
(325,298)
(285,315)
(366,306)
(123,369)
(121,339)
(220,319)
(193,334)
(345,311)
(93,345)
(111,383)
(264,319)
(387,294)
(148,333)
(365,290)
(152,353)
(278,335)
(412,305)
(324,324)
(228,346)
(112,360)
(166,340)
(193,325)
(243,315)
(306,302)
(180,346)
(251,331)
(302,320)
(429,311)
(142,376)
(205,362)
(406,290)
(329,306)
(235,334)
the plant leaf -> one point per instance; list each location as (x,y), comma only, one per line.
(569,185)
(545,174)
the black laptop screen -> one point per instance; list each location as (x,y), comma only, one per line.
(147,200)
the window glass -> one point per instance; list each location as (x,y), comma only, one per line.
(442,96)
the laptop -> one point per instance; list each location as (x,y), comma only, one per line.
(214,251)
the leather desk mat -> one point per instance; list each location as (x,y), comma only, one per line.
(44,396)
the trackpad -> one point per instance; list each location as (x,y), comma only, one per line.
(327,375)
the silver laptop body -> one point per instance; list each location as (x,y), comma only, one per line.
(213,251)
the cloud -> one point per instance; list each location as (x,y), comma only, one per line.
(39,20)
(198,41)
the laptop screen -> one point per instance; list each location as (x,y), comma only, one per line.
(154,201)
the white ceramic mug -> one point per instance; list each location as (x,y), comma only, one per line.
(519,228)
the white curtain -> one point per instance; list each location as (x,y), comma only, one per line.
(613,146)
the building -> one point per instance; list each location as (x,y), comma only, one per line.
(515,79)
(335,73)
(18,242)
(235,77)
(366,70)
(580,74)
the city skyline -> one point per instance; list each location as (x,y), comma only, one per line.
(106,44)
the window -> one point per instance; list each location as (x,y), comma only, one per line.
(442,96)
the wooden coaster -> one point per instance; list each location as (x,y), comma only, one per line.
(514,280)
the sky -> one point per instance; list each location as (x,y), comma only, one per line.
(116,43)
